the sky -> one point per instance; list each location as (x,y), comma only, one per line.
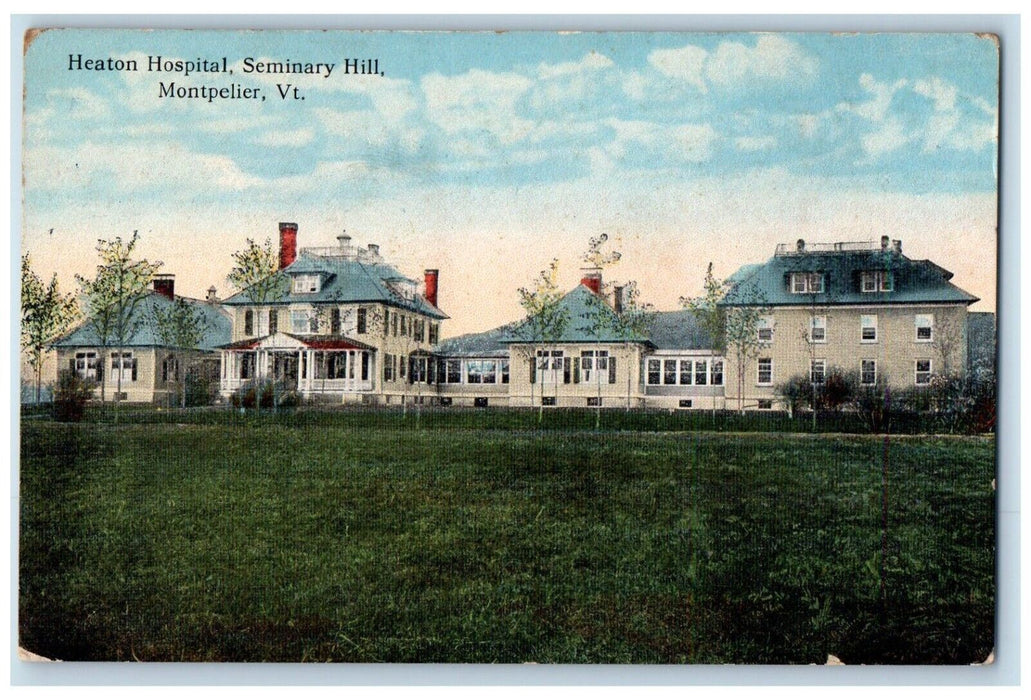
(486,155)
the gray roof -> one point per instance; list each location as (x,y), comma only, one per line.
(216,324)
(589,320)
(914,281)
(678,330)
(346,280)
(486,344)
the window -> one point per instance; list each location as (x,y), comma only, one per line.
(418,369)
(765,373)
(547,401)
(306,284)
(481,371)
(594,401)
(362,319)
(299,321)
(807,283)
(923,371)
(434,333)
(549,364)
(765,331)
(504,371)
(420,330)
(247,364)
(404,326)
(765,404)
(654,371)
(248,322)
(388,367)
(334,321)
(924,328)
(451,372)
(717,372)
(868,372)
(86,365)
(669,371)
(685,371)
(868,329)
(170,369)
(686,403)
(393,325)
(701,372)
(876,281)
(401,366)
(818,331)
(818,371)
(595,364)
(273,321)
(123,364)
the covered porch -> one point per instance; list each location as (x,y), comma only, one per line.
(309,365)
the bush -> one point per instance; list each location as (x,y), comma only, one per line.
(200,391)
(270,392)
(796,392)
(71,396)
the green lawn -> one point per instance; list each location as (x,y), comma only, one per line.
(339,538)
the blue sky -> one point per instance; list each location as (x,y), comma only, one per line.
(513,148)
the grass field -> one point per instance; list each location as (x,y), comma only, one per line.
(347,538)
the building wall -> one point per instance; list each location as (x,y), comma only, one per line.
(523,392)
(143,390)
(895,351)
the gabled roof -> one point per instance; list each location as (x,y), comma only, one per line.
(217,329)
(589,320)
(346,280)
(914,281)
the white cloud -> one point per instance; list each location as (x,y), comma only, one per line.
(477,100)
(772,58)
(296,137)
(942,93)
(590,62)
(358,126)
(888,138)
(695,141)
(685,63)
(876,108)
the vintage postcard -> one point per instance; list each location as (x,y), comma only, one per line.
(508,347)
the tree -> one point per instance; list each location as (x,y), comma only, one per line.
(600,317)
(631,321)
(181,327)
(255,273)
(45,315)
(742,332)
(711,318)
(948,338)
(546,319)
(113,295)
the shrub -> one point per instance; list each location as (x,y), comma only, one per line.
(71,396)
(837,389)
(796,392)
(200,391)
(271,393)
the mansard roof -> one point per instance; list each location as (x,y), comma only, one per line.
(347,280)
(217,327)
(913,281)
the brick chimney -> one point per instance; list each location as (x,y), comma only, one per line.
(592,280)
(431,286)
(165,285)
(617,299)
(287,244)
(212,297)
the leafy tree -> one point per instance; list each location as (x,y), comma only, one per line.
(711,317)
(546,318)
(113,295)
(631,322)
(600,317)
(181,327)
(742,332)
(45,315)
(255,273)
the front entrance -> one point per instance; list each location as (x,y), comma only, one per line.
(284,369)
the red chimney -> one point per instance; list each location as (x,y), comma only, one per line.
(287,244)
(592,280)
(431,286)
(165,285)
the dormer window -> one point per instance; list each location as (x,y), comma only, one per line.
(877,281)
(306,284)
(807,283)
